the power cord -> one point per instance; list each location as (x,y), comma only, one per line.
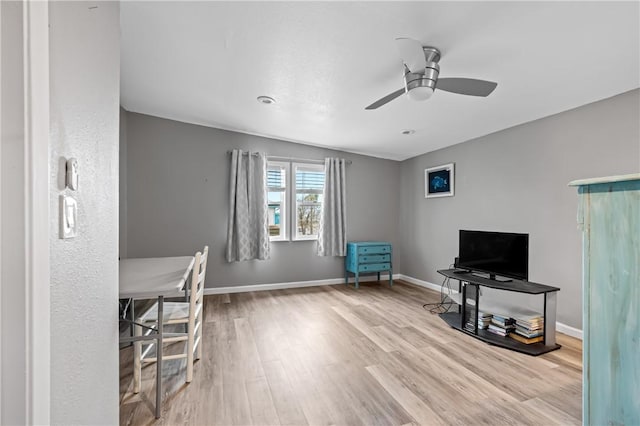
(125,308)
(445,303)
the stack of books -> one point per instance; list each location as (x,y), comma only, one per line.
(501,326)
(528,330)
(484,319)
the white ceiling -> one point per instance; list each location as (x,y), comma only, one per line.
(206,62)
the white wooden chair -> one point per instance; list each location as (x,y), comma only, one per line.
(188,313)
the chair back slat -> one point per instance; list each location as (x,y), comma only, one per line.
(201,278)
(200,294)
(203,263)
(197,279)
(195,282)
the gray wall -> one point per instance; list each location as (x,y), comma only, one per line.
(516,180)
(177,200)
(85,69)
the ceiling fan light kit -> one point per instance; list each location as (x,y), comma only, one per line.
(419,86)
(421,72)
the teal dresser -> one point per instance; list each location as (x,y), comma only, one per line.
(368,256)
(609,216)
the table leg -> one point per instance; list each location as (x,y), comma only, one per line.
(390,277)
(137,362)
(357,278)
(159,359)
(133,317)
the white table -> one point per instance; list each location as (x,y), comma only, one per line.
(151,278)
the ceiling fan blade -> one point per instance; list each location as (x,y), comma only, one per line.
(466,86)
(411,53)
(386,99)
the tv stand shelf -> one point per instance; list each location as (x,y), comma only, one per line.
(457,320)
(517,286)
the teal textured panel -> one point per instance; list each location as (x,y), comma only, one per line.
(611,215)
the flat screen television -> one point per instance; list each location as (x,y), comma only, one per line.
(496,253)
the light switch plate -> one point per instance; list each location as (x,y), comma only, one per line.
(72,174)
(68,217)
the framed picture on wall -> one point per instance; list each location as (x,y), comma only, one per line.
(439,181)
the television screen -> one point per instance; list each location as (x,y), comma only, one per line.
(496,253)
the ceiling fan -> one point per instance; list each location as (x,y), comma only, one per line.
(421,71)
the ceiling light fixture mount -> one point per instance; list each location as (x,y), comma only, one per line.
(408,132)
(266,100)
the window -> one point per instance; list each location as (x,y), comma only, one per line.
(308,184)
(277,175)
(298,185)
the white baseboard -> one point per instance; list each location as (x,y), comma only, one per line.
(568,330)
(291,284)
(421,283)
(560,327)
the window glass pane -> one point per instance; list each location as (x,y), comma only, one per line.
(276,177)
(308,198)
(277,199)
(275,220)
(275,196)
(309,179)
(308,220)
(309,183)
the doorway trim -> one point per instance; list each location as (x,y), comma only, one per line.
(26,215)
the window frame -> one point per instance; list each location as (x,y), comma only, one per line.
(289,204)
(284,204)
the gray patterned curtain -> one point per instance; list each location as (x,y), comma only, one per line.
(332,236)
(247,229)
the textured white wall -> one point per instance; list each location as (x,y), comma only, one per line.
(84,69)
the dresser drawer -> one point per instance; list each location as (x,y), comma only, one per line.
(374,267)
(374,249)
(374,258)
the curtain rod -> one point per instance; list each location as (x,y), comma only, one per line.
(301,160)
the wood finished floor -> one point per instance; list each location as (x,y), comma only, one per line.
(334,355)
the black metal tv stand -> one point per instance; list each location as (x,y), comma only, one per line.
(459,319)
